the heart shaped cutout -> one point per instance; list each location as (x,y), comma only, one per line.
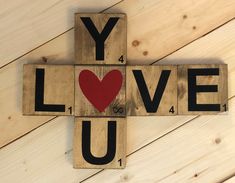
(100,93)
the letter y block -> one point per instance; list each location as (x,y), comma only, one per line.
(100,38)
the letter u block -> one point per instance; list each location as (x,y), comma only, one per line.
(99,143)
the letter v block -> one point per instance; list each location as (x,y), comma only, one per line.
(100,38)
(152,90)
(202,89)
(99,143)
(48,90)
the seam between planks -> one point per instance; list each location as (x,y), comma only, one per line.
(162,136)
(194,40)
(29,132)
(12,61)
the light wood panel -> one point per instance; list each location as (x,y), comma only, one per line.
(231,180)
(200,151)
(203,51)
(28,24)
(100,91)
(157,28)
(45,154)
(146,84)
(47,90)
(183,22)
(99,143)
(214,47)
(97,36)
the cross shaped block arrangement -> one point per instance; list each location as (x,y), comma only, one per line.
(95,89)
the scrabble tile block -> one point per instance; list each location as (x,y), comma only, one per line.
(99,143)
(48,90)
(151,90)
(202,89)
(100,38)
(100,91)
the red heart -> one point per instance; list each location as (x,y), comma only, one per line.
(100,93)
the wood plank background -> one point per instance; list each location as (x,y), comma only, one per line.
(159,149)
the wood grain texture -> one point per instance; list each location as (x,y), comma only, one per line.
(83,107)
(98,142)
(115,44)
(202,98)
(214,47)
(231,180)
(157,28)
(46,153)
(203,51)
(200,151)
(28,24)
(151,75)
(156,39)
(58,89)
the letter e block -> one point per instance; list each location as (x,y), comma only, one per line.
(99,143)
(151,90)
(202,89)
(48,90)
(100,38)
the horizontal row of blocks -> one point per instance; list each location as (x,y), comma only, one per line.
(112,91)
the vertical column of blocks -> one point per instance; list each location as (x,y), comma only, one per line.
(100,91)
(48,90)
(202,89)
(152,90)
(99,143)
(100,38)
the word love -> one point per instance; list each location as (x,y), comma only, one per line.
(102,91)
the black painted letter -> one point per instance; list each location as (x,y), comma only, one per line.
(99,38)
(151,106)
(193,89)
(39,95)
(86,144)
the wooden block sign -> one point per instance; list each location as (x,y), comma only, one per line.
(99,143)
(48,90)
(202,89)
(100,38)
(152,90)
(100,91)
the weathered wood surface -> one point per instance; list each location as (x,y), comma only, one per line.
(85,36)
(140,99)
(46,150)
(95,104)
(99,149)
